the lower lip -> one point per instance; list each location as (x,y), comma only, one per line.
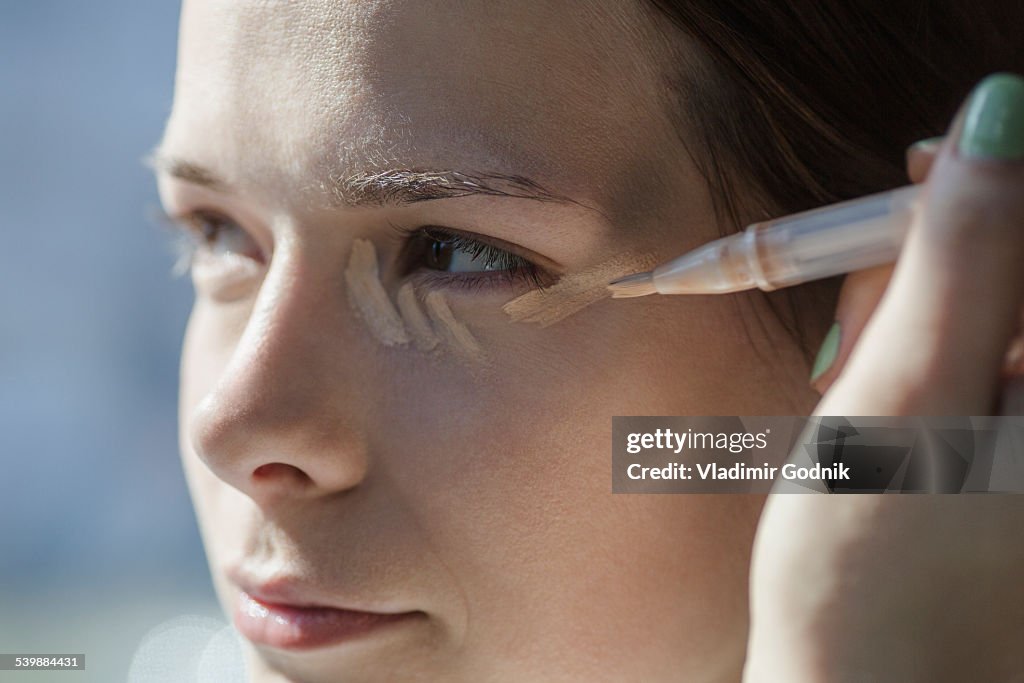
(288,627)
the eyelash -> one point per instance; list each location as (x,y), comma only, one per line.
(509,268)
(196,230)
(192,232)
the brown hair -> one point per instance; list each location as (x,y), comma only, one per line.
(803,103)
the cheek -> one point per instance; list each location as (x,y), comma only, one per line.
(212,335)
(513,472)
(210,340)
(531,436)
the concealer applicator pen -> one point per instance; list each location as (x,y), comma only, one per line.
(805,246)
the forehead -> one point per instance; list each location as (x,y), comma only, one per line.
(540,87)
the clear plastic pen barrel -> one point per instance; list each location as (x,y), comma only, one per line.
(820,243)
(806,246)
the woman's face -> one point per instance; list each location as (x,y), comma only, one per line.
(464,484)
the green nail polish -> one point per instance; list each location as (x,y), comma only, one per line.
(927,142)
(994,119)
(827,352)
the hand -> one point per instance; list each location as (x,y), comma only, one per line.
(914,588)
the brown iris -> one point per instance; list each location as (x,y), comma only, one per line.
(438,254)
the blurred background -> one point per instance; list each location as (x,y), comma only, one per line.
(98,543)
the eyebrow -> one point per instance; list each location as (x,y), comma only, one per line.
(391,187)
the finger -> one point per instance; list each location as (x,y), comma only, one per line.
(858,298)
(1014,362)
(920,157)
(1011,401)
(862,290)
(1011,398)
(937,341)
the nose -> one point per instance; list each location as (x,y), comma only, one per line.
(282,420)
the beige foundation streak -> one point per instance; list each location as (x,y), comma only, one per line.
(573,292)
(450,329)
(366,294)
(416,321)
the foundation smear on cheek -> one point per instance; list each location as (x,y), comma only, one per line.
(416,321)
(367,295)
(574,292)
(455,333)
(408,322)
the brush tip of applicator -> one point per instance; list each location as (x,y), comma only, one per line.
(639,284)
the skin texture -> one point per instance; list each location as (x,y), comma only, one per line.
(383,479)
(451,330)
(416,321)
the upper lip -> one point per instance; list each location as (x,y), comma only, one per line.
(291,591)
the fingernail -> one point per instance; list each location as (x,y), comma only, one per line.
(927,143)
(827,352)
(994,120)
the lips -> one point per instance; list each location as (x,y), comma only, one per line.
(275,614)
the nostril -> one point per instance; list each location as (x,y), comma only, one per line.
(279,472)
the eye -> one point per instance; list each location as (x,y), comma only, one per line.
(466,258)
(223,258)
(218,235)
(459,255)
